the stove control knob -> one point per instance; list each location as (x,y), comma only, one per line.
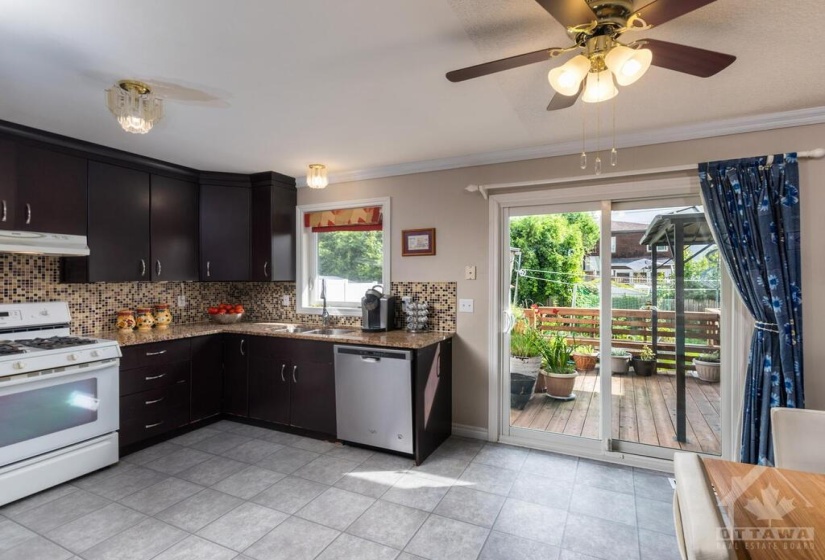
(19,365)
(45,312)
(95,354)
(72,357)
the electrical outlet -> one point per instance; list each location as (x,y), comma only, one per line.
(285,301)
(465,305)
(181,301)
(469,272)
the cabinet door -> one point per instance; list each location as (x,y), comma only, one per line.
(119,205)
(313,387)
(207,370)
(8,183)
(174,224)
(261,261)
(224,227)
(270,369)
(51,191)
(235,374)
(283,234)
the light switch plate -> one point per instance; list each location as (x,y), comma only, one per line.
(465,305)
(469,272)
(285,301)
(181,301)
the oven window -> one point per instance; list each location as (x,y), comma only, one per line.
(31,414)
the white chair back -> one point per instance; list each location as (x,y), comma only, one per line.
(797,439)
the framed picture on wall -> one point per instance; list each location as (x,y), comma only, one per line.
(417,242)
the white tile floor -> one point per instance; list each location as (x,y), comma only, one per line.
(232,491)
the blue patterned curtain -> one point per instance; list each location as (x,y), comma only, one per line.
(753,207)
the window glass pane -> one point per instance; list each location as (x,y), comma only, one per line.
(350,262)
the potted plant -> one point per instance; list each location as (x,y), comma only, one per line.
(707,366)
(645,363)
(558,370)
(525,363)
(619,360)
(585,357)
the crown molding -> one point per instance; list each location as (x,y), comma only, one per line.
(725,127)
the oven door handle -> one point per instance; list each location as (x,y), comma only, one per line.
(24,378)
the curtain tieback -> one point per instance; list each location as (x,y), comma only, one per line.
(767,327)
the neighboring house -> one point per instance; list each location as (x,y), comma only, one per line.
(631,262)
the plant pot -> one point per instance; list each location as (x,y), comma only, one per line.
(619,364)
(707,371)
(540,385)
(521,389)
(559,385)
(585,362)
(525,366)
(644,368)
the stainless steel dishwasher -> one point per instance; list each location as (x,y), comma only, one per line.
(373,397)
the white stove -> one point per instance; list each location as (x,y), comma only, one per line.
(59,398)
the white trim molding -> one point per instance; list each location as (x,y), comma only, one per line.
(723,127)
(474,432)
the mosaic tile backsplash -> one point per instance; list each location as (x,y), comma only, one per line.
(28,278)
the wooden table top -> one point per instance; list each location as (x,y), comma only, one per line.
(770,513)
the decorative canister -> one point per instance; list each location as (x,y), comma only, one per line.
(125,320)
(144,319)
(163,317)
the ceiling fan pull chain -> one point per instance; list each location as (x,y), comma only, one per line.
(597,165)
(614,154)
(583,158)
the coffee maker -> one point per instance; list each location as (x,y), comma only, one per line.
(377,310)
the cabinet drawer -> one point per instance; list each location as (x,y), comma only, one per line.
(154,412)
(153,377)
(156,353)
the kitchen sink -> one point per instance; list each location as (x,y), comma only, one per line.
(286,327)
(330,332)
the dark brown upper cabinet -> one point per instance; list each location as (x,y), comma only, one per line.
(273,228)
(174,225)
(224,228)
(51,191)
(8,182)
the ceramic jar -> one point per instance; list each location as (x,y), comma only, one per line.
(163,317)
(144,319)
(125,320)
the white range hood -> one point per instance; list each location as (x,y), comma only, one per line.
(52,244)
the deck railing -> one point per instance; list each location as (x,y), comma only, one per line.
(633,329)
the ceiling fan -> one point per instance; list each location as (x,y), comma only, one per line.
(596,28)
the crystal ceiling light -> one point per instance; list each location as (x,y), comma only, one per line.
(134,105)
(317,176)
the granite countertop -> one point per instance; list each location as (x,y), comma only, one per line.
(393,339)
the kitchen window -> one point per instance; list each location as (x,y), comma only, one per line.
(347,245)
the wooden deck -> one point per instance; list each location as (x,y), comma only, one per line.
(644,411)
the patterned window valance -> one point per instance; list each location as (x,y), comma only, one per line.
(345,219)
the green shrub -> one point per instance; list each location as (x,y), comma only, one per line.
(556,355)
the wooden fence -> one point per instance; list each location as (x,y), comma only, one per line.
(633,329)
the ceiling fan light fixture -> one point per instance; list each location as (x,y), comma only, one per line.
(567,79)
(317,176)
(134,106)
(628,65)
(599,87)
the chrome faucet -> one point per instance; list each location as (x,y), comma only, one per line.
(324,312)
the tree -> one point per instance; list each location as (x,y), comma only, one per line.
(553,248)
(355,255)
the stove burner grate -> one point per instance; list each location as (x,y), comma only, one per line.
(56,342)
(8,348)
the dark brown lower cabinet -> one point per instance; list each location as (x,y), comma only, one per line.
(270,378)
(432,397)
(207,374)
(312,396)
(235,374)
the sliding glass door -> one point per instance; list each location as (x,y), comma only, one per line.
(612,326)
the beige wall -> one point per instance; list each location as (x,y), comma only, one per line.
(438,200)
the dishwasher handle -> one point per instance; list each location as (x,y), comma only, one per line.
(370,360)
(372,354)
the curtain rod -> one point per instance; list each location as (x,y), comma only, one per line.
(817,153)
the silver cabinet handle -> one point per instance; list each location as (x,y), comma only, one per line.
(154,425)
(5,212)
(294,369)
(208,273)
(158,353)
(155,401)
(242,352)
(158,266)
(142,268)
(28,213)
(152,377)
(266,266)
(283,367)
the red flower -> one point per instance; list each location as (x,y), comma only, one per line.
(555,311)
(534,306)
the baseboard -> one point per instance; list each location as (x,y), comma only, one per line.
(473,432)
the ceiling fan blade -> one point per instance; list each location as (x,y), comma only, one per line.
(499,65)
(560,101)
(568,12)
(690,60)
(658,12)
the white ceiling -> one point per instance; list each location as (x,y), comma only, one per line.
(359,84)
